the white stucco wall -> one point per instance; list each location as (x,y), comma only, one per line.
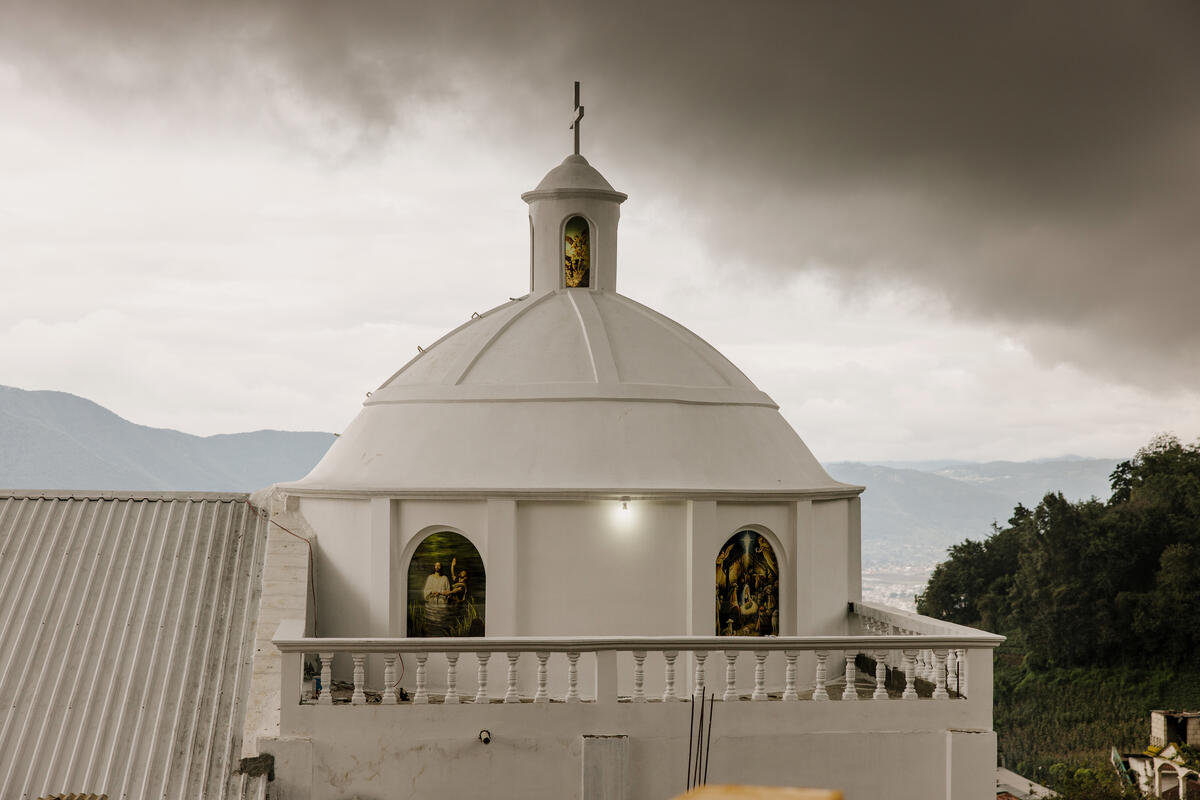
(341,561)
(576,567)
(893,749)
(582,567)
(589,568)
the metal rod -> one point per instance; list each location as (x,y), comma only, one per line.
(691,723)
(708,747)
(699,740)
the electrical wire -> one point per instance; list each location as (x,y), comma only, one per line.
(312,585)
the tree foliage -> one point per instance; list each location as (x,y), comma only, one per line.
(1090,582)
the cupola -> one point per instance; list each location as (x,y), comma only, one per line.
(573,215)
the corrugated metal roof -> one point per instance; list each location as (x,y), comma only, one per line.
(126,633)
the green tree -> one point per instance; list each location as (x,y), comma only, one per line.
(1091,582)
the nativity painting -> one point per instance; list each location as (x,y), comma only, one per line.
(747,587)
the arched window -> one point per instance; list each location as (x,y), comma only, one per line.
(577,253)
(747,586)
(447,587)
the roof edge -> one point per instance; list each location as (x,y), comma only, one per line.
(842,492)
(104,494)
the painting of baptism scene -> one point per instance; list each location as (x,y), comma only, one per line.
(747,587)
(446,587)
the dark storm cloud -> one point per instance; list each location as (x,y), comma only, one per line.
(1037,164)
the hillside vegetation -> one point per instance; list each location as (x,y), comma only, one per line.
(1100,600)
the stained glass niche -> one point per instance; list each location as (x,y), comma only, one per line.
(577,253)
(747,587)
(447,587)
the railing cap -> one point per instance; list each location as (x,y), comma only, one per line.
(569,644)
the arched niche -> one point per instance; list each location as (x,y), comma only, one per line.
(577,253)
(446,587)
(747,585)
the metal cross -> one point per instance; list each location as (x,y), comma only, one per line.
(578,117)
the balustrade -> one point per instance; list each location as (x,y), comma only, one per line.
(937,654)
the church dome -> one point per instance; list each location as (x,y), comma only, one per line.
(570,390)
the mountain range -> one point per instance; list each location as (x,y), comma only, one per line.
(912,511)
(55,440)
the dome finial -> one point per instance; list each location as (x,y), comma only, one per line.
(578,117)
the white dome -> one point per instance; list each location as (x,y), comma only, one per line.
(570,390)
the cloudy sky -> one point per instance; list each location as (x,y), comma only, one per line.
(927,230)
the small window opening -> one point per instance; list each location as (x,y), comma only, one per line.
(577,253)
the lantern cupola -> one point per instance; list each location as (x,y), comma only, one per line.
(573,215)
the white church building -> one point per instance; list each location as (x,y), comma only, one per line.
(516,574)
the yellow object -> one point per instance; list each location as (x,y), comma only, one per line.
(759,793)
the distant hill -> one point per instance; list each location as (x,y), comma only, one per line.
(55,440)
(910,513)
(910,516)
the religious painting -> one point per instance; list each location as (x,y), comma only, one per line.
(577,253)
(747,587)
(447,588)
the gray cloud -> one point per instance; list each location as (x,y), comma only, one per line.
(1038,164)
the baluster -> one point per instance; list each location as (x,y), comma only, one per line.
(939,667)
(481,693)
(359,697)
(325,698)
(880,675)
(572,678)
(760,675)
(730,676)
(698,689)
(952,670)
(849,692)
(542,695)
(452,678)
(639,687)
(819,692)
(669,676)
(789,677)
(962,672)
(511,695)
(910,676)
(389,680)
(420,696)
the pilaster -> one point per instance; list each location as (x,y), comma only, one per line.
(378,565)
(701,554)
(501,560)
(802,566)
(854,550)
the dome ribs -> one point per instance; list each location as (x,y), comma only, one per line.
(595,337)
